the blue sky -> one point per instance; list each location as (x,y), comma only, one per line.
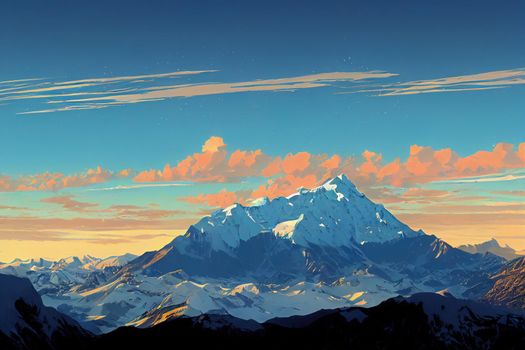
(244,41)
(240,41)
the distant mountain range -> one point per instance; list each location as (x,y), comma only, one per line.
(491,246)
(325,248)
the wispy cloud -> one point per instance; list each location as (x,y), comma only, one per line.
(69,203)
(498,178)
(132,187)
(104,92)
(471,82)
(97,93)
(516,193)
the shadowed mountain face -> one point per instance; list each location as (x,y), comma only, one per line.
(423,321)
(25,323)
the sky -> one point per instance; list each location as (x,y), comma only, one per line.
(124,122)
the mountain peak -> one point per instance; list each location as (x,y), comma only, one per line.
(341,178)
(493,242)
(342,184)
(334,214)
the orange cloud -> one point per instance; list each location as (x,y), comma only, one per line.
(425,164)
(67,202)
(56,181)
(286,174)
(286,185)
(213,164)
(332,163)
(220,199)
(483,162)
(213,144)
(303,169)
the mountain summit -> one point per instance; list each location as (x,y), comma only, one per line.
(334,214)
(317,232)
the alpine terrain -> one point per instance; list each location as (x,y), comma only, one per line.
(325,248)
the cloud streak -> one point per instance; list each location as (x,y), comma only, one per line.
(68,203)
(104,92)
(500,178)
(472,82)
(133,187)
(97,93)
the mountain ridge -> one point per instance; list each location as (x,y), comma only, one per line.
(491,246)
(333,216)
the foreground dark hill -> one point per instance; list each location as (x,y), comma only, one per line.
(423,321)
(25,323)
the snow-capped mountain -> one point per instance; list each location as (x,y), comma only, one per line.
(335,214)
(325,248)
(71,264)
(25,323)
(491,246)
(66,272)
(19,266)
(312,232)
